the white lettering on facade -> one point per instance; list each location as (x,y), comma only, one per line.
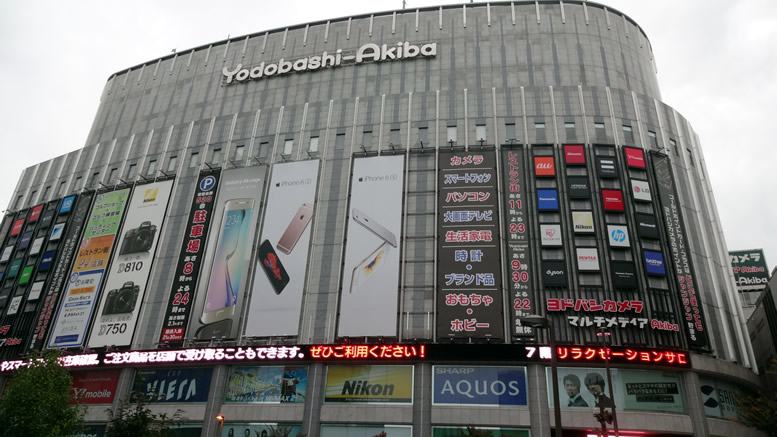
(366,53)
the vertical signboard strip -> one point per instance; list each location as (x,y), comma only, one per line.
(59,273)
(223,287)
(469,303)
(517,231)
(370,281)
(187,271)
(125,284)
(690,299)
(86,276)
(281,263)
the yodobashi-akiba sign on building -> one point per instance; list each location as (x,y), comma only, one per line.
(366,53)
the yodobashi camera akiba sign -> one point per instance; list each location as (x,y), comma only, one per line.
(750,269)
(88,269)
(366,53)
(131,265)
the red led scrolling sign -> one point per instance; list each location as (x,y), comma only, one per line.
(372,352)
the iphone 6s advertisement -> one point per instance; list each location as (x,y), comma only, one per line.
(282,258)
(222,286)
(370,277)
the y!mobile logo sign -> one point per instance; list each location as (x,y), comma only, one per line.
(366,53)
(634,157)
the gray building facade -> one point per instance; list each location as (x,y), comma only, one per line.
(486,78)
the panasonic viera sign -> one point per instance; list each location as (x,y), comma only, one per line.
(366,53)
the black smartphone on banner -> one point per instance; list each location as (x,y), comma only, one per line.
(272,267)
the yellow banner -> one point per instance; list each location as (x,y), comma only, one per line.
(380,384)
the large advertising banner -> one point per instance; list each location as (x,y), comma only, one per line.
(281,264)
(173,385)
(88,269)
(53,289)
(690,300)
(479,385)
(750,269)
(125,284)
(222,288)
(517,231)
(267,384)
(638,390)
(260,429)
(369,384)
(720,398)
(370,279)
(481,431)
(652,391)
(469,276)
(95,387)
(584,388)
(349,430)
(187,271)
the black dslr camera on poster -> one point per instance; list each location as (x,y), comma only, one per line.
(121,300)
(139,239)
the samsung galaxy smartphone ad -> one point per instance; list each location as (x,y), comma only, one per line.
(370,276)
(224,277)
(83,283)
(133,257)
(280,265)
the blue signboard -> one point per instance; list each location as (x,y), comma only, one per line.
(654,262)
(46,260)
(479,385)
(173,385)
(547,200)
(67,204)
(25,240)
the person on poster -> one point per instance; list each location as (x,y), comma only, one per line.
(289,385)
(572,386)
(595,384)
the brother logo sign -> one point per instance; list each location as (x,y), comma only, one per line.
(366,53)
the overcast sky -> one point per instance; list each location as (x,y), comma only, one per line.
(717,65)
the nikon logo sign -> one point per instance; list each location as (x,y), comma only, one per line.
(365,53)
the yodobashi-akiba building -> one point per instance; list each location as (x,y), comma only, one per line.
(365,210)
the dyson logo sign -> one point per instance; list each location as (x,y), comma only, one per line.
(366,53)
